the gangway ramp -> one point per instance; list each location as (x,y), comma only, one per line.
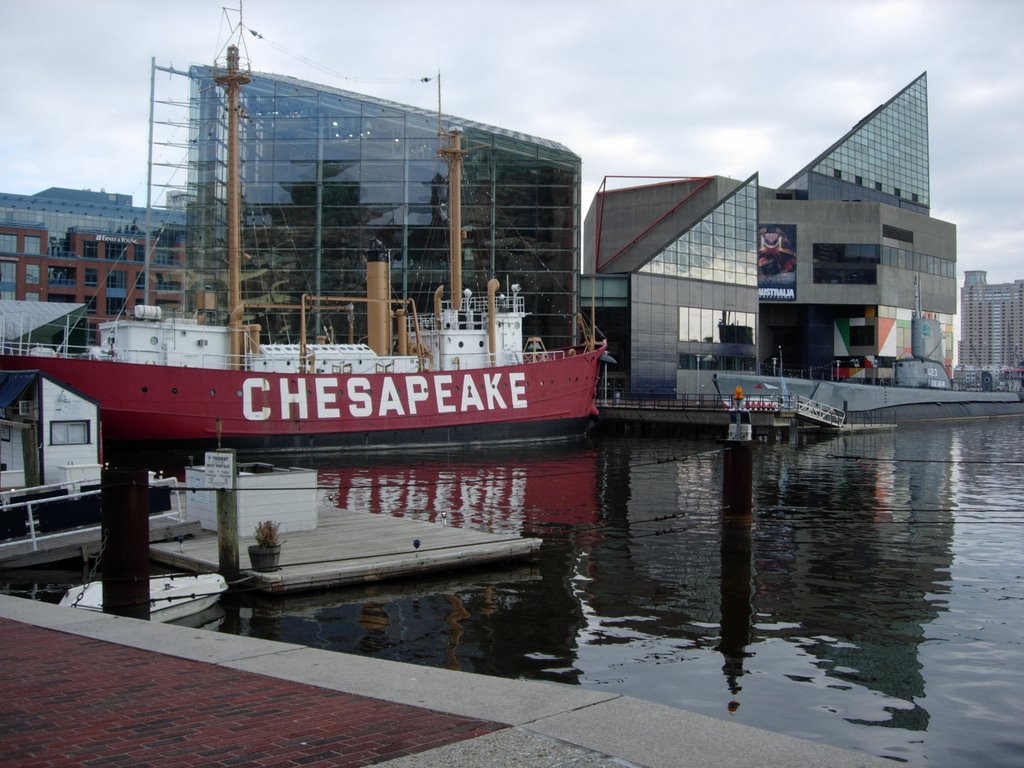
(819,413)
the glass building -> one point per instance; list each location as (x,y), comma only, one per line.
(326,172)
(686,298)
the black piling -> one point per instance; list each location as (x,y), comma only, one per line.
(736,556)
(124,499)
(737,484)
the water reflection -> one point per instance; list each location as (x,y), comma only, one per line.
(523,493)
(851,558)
(875,605)
(828,622)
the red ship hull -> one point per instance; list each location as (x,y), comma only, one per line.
(196,408)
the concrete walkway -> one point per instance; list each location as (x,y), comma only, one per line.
(81,688)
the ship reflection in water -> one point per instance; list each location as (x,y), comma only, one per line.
(878,607)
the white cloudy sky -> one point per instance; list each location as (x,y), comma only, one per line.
(635,87)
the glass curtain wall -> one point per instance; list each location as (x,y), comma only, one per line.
(719,248)
(327,172)
(697,299)
(889,150)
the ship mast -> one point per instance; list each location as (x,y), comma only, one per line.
(453,154)
(232,82)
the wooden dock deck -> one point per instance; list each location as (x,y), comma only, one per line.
(349,548)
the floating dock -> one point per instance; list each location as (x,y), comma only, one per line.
(349,548)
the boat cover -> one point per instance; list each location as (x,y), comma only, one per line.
(13,384)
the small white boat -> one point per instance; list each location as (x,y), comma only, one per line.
(171,597)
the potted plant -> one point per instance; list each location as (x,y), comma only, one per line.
(265,553)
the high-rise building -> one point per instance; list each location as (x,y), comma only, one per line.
(991,322)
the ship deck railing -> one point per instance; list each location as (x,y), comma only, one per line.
(30,510)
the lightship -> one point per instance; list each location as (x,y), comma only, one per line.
(461,374)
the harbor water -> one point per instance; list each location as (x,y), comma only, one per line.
(885,609)
(880,607)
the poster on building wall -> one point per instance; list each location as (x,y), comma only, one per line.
(776,262)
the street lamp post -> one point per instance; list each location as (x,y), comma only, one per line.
(782,379)
(700,391)
(697,357)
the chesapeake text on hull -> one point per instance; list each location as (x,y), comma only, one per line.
(332,397)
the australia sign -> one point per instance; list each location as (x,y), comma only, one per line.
(776,262)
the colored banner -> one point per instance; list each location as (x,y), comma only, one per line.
(776,262)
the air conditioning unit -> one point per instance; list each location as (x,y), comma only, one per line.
(26,408)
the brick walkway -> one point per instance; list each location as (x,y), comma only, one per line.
(68,700)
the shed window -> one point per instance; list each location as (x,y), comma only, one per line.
(69,433)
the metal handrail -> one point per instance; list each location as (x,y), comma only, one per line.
(695,402)
(818,411)
(177,508)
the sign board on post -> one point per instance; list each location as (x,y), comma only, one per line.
(220,469)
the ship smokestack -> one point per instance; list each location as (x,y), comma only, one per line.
(378,293)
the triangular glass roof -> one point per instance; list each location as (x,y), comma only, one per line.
(721,246)
(886,153)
